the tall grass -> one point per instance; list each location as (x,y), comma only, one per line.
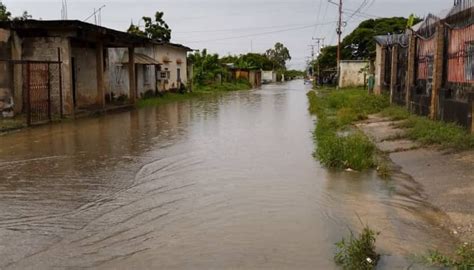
(336,111)
(358,252)
(429,132)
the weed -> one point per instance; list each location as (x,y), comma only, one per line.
(336,110)
(395,113)
(429,132)
(358,253)
(462,260)
(383,170)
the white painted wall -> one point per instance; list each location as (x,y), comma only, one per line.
(268,76)
(351,74)
(173,54)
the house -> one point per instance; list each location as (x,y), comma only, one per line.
(353,73)
(68,66)
(159,67)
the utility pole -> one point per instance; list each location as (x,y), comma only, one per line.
(339,33)
(320,42)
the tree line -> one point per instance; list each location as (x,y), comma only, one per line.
(360,43)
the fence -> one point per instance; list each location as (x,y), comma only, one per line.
(39,86)
(440,82)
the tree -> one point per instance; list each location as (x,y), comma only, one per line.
(25,16)
(279,55)
(206,67)
(157,29)
(135,30)
(4,14)
(360,43)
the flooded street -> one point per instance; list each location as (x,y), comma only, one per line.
(225,182)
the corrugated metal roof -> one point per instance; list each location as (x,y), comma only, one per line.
(387,40)
(140,59)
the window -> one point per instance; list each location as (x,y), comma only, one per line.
(469,62)
(179,74)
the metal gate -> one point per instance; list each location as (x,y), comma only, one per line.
(40,86)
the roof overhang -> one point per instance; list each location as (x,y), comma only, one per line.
(78,30)
(140,59)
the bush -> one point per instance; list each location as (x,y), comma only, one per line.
(353,151)
(358,253)
(336,110)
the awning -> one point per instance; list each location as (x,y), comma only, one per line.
(140,59)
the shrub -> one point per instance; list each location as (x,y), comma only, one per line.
(358,253)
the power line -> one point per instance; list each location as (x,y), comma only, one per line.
(259,34)
(238,29)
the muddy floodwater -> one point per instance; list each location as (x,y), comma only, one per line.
(224,182)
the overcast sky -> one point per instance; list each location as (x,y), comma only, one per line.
(235,26)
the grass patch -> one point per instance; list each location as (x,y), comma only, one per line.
(199,91)
(384,170)
(463,259)
(7,124)
(358,253)
(336,111)
(429,132)
(395,113)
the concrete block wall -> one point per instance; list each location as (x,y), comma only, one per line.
(46,49)
(352,74)
(86,77)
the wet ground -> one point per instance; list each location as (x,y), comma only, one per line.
(226,182)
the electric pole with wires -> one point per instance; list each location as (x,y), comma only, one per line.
(339,34)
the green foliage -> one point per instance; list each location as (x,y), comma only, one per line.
(353,151)
(293,74)
(396,113)
(358,253)
(360,43)
(336,110)
(430,132)
(135,30)
(462,260)
(156,29)
(279,55)
(5,15)
(207,67)
(448,135)
(199,91)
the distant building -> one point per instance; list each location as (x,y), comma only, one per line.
(269,76)
(353,73)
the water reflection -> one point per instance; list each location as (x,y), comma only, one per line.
(222,182)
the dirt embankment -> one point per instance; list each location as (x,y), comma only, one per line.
(447,177)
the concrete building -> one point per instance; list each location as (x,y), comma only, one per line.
(78,66)
(159,67)
(353,73)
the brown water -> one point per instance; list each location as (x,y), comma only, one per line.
(225,182)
